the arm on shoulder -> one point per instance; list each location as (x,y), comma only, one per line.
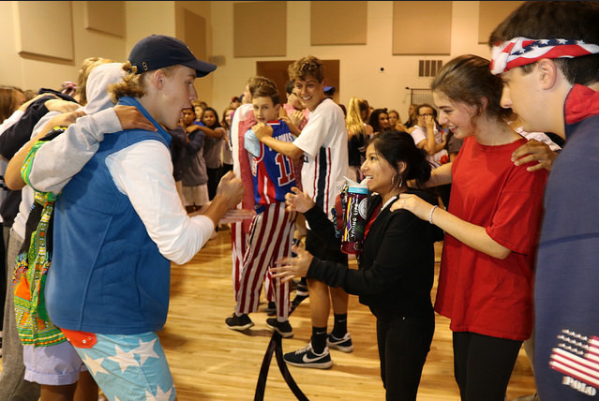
(12,175)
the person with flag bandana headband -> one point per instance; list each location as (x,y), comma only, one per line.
(547,54)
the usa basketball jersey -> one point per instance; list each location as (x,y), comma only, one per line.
(273,172)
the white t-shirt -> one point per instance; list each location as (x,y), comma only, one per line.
(539,136)
(324,143)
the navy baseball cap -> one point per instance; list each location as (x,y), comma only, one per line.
(159,51)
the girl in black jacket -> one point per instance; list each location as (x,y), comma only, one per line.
(396,267)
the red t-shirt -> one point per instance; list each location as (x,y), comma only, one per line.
(479,293)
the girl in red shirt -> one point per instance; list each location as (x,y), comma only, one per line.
(491,230)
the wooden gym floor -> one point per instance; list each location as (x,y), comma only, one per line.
(210,362)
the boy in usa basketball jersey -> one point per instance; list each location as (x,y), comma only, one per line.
(271,232)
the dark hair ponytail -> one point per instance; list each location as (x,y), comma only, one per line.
(396,147)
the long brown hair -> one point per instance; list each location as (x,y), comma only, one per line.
(467,79)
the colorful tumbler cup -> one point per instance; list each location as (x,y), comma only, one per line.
(354,220)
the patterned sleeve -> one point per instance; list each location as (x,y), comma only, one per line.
(28,163)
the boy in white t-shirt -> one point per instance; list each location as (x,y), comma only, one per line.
(323,144)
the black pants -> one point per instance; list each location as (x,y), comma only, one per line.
(404,343)
(483,365)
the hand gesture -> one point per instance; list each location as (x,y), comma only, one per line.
(262,130)
(285,119)
(290,268)
(131,118)
(297,117)
(429,121)
(533,151)
(231,188)
(299,201)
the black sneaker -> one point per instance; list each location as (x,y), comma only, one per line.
(342,344)
(239,323)
(296,302)
(306,358)
(300,295)
(271,309)
(283,328)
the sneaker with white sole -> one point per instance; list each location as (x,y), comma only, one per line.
(307,358)
(239,323)
(283,328)
(342,344)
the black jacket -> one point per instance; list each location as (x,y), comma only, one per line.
(396,267)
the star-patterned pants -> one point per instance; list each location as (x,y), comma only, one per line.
(126,367)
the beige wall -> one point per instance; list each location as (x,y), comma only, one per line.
(33,72)
(148,17)
(143,18)
(203,39)
(360,65)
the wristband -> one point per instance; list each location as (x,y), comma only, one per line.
(430,217)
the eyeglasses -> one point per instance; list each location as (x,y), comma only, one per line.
(424,115)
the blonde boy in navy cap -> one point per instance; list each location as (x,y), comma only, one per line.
(119,224)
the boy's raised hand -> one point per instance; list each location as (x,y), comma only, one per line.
(231,188)
(262,130)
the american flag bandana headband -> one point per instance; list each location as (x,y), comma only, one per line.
(522,51)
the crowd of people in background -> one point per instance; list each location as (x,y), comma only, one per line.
(127,168)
